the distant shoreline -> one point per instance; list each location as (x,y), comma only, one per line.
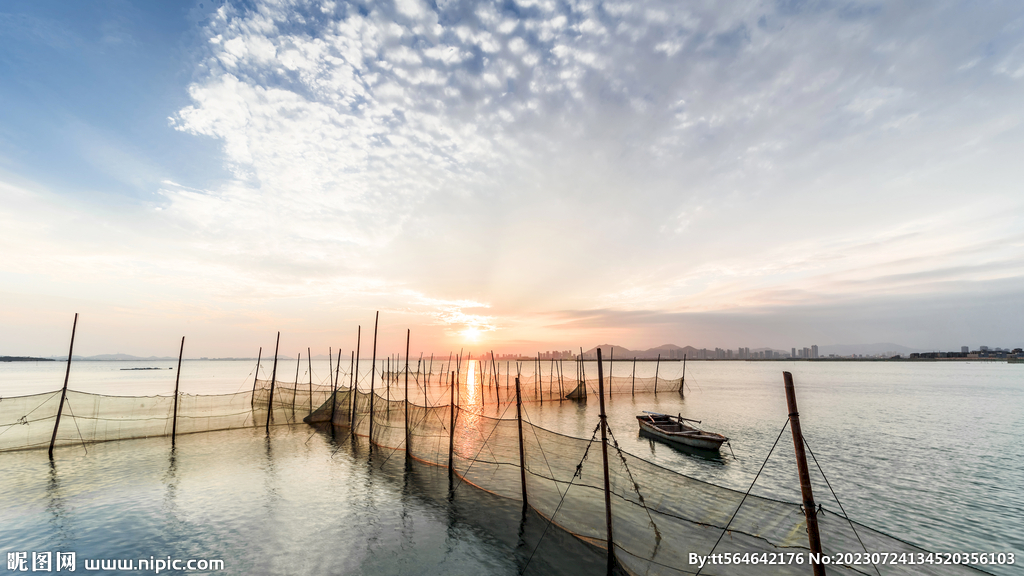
(24,359)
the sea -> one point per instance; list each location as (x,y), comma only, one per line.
(928,452)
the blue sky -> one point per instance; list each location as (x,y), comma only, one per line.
(518,175)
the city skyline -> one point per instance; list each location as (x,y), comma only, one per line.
(509,175)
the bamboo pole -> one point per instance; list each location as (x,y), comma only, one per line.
(351,388)
(583,372)
(273,377)
(656,367)
(611,372)
(337,376)
(64,391)
(805,477)
(497,382)
(355,386)
(682,381)
(177,379)
(604,459)
(632,388)
(309,360)
(522,452)
(387,392)
(259,357)
(451,432)
(373,372)
(295,387)
(334,387)
(408,333)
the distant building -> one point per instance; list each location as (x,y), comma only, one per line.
(965,349)
(814,351)
(792,352)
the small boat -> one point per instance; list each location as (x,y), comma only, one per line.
(675,430)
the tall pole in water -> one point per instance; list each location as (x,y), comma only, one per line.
(408,332)
(259,357)
(273,376)
(334,398)
(451,432)
(604,459)
(309,361)
(177,379)
(805,477)
(632,388)
(373,373)
(295,387)
(64,391)
(330,377)
(656,367)
(682,381)
(611,371)
(522,453)
(351,386)
(355,385)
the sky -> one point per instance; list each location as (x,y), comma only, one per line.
(518,176)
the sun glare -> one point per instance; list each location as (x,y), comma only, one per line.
(472,334)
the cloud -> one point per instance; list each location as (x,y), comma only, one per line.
(537,156)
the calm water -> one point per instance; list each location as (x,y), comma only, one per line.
(927,452)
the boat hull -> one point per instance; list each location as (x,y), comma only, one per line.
(702,440)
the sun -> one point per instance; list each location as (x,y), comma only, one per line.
(472,334)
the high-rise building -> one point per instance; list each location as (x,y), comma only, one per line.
(965,349)
(792,352)
(814,351)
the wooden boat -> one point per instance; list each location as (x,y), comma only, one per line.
(675,430)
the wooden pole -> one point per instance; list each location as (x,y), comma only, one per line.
(309,360)
(334,386)
(497,382)
(604,458)
(408,333)
(64,391)
(295,387)
(355,386)
(273,377)
(632,388)
(373,372)
(656,367)
(522,452)
(611,371)
(387,393)
(682,381)
(334,397)
(583,372)
(259,357)
(805,477)
(451,431)
(351,388)
(177,379)
(539,381)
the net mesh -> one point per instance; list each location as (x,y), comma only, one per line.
(659,516)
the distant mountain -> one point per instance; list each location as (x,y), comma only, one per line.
(666,351)
(125,357)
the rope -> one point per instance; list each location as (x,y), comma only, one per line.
(829,484)
(726,529)
(462,476)
(540,445)
(24,419)
(75,420)
(636,487)
(577,474)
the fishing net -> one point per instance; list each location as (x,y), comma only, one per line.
(659,517)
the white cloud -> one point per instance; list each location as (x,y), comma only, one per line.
(365,136)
